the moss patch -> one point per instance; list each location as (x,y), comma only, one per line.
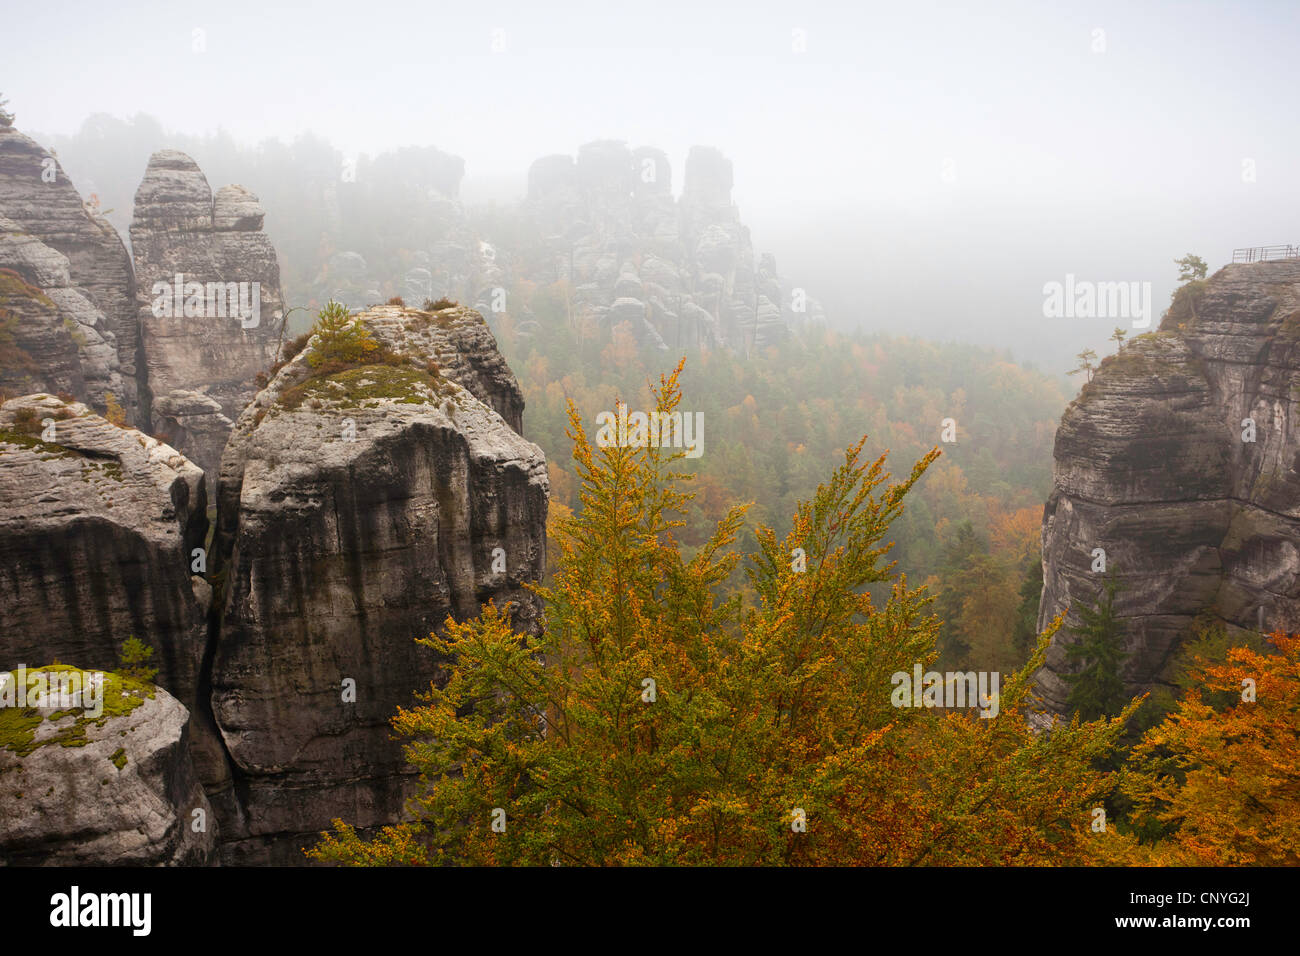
(102,468)
(1149,355)
(118,758)
(12,437)
(360,386)
(1290,327)
(443,318)
(19,725)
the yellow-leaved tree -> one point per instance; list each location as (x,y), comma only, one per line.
(660,719)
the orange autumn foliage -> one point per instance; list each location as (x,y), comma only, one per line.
(662,719)
(1222,772)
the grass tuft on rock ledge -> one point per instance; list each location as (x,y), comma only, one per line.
(351,370)
(357,386)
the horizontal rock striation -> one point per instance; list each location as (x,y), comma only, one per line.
(208,299)
(359,506)
(358,509)
(41,202)
(61,340)
(1151,467)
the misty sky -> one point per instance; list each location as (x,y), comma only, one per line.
(923,168)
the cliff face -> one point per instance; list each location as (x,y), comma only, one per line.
(209,305)
(358,507)
(40,200)
(1151,466)
(97,525)
(441,256)
(50,319)
(677,272)
(357,511)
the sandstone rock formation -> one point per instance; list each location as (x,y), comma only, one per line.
(209,305)
(677,273)
(114,790)
(357,510)
(97,528)
(1151,466)
(40,200)
(61,339)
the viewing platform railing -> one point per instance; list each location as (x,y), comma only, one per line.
(1264,253)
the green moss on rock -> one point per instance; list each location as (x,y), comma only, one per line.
(365,385)
(20,726)
(12,437)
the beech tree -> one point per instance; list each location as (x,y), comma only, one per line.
(661,718)
(1221,782)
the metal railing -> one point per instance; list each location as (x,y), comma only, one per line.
(1265,253)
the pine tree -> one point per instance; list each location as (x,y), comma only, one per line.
(1096,690)
(1087,358)
(964,566)
(1191,268)
(133,657)
(339,338)
(1025,635)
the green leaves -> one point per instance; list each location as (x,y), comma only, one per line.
(661,719)
(1096,690)
(339,337)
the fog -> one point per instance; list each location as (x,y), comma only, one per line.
(923,169)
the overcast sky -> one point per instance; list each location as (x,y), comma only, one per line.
(965,153)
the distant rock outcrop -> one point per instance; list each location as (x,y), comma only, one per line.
(40,201)
(1181,460)
(424,218)
(209,304)
(108,790)
(358,509)
(677,273)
